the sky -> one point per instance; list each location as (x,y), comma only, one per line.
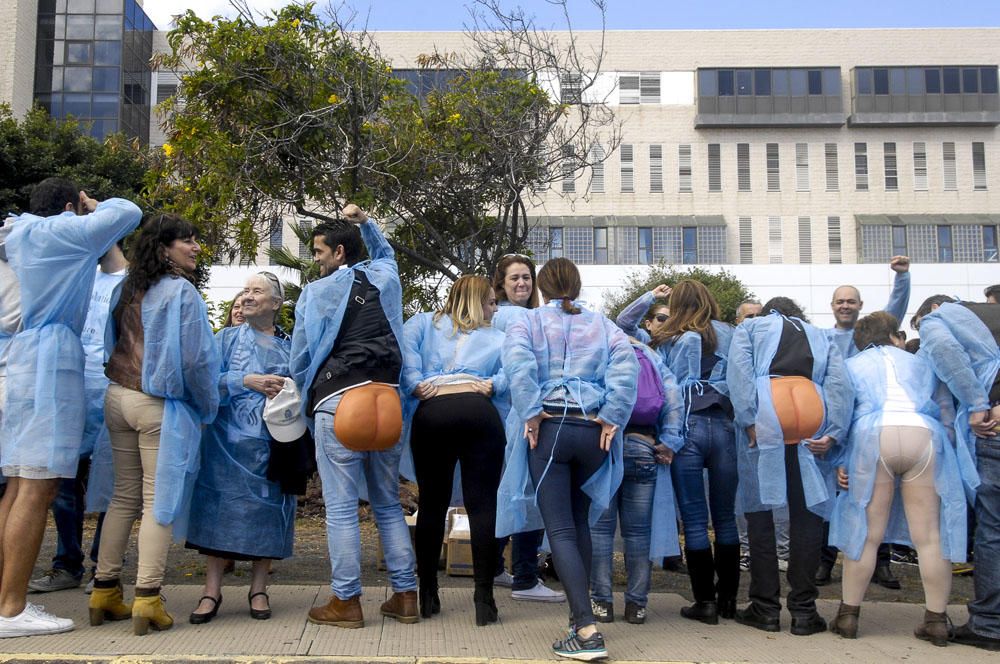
(645,14)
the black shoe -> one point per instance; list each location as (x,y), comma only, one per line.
(824,575)
(674,564)
(486,606)
(965,636)
(727,608)
(883,577)
(808,625)
(634,614)
(751,618)
(259,614)
(430,603)
(202,618)
(706,612)
(604,612)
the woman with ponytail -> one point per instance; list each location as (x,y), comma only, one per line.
(572,376)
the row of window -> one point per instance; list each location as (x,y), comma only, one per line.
(766,82)
(927,243)
(925,80)
(775,242)
(629,245)
(772,167)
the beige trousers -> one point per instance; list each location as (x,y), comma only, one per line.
(133,420)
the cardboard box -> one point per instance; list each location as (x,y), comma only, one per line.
(459,558)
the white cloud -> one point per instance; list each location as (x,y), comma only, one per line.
(160,11)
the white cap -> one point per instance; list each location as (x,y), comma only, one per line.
(283,414)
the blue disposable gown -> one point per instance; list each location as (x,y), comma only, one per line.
(239,509)
(180,364)
(433,349)
(663,528)
(96,441)
(506,312)
(966,358)
(683,357)
(899,300)
(55,260)
(583,360)
(630,318)
(762,468)
(849,523)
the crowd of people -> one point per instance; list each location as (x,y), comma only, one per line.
(770,445)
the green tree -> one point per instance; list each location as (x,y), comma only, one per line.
(37,146)
(724,286)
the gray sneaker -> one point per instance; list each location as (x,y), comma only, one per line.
(54,579)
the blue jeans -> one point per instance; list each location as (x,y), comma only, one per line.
(67,512)
(524,557)
(710,444)
(344,472)
(633,504)
(984,610)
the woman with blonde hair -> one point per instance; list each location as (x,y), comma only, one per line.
(695,344)
(454,391)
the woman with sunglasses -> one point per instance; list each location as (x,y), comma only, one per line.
(517,293)
(241,514)
(572,377)
(650,309)
(900,435)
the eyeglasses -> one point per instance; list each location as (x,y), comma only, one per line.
(527,258)
(661,318)
(273,280)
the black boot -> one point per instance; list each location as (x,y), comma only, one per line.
(486,606)
(727,569)
(430,604)
(701,569)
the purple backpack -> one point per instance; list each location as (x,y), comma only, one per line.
(650,397)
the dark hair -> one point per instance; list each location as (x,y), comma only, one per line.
(50,196)
(559,279)
(992,291)
(147,262)
(913,345)
(500,274)
(229,310)
(927,307)
(875,329)
(785,306)
(654,308)
(346,235)
(692,309)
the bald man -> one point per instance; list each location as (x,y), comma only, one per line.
(847,304)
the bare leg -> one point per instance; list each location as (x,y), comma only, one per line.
(923,513)
(258,583)
(213,583)
(858,573)
(22,539)
(5,504)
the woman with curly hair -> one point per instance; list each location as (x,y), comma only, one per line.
(163,370)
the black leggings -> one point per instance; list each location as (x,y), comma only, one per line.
(564,506)
(457,428)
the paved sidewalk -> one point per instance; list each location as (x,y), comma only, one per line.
(524,632)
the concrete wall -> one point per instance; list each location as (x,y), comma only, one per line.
(18,26)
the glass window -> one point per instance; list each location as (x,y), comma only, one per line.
(932,81)
(106,106)
(800,82)
(744,81)
(899,241)
(77,105)
(988,78)
(555,242)
(725,82)
(881,81)
(46,6)
(46,27)
(897,81)
(914,81)
(831,81)
(80,27)
(990,244)
(109,6)
(79,53)
(80,6)
(44,55)
(107,53)
(707,83)
(945,252)
(106,79)
(690,247)
(815,82)
(601,246)
(78,79)
(108,27)
(646,246)
(57,79)
(864,80)
(762,82)
(970,79)
(952,85)
(779,79)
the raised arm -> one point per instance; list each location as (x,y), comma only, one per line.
(899,299)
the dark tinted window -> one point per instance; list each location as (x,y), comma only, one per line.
(897,81)
(914,81)
(762,82)
(899,241)
(932,81)
(800,82)
(744,81)
(881,81)
(690,245)
(988,80)
(952,81)
(725,82)
(970,80)
(707,84)
(779,78)
(864,79)
(815,82)
(945,253)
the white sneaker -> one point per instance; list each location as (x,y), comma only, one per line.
(33,621)
(504,579)
(540,593)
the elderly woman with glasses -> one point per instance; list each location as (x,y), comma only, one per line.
(240,513)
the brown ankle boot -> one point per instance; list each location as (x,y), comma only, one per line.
(846,622)
(402,607)
(935,628)
(339,613)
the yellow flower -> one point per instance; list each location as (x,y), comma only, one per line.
(168,149)
(295,23)
(332,99)
(454,117)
